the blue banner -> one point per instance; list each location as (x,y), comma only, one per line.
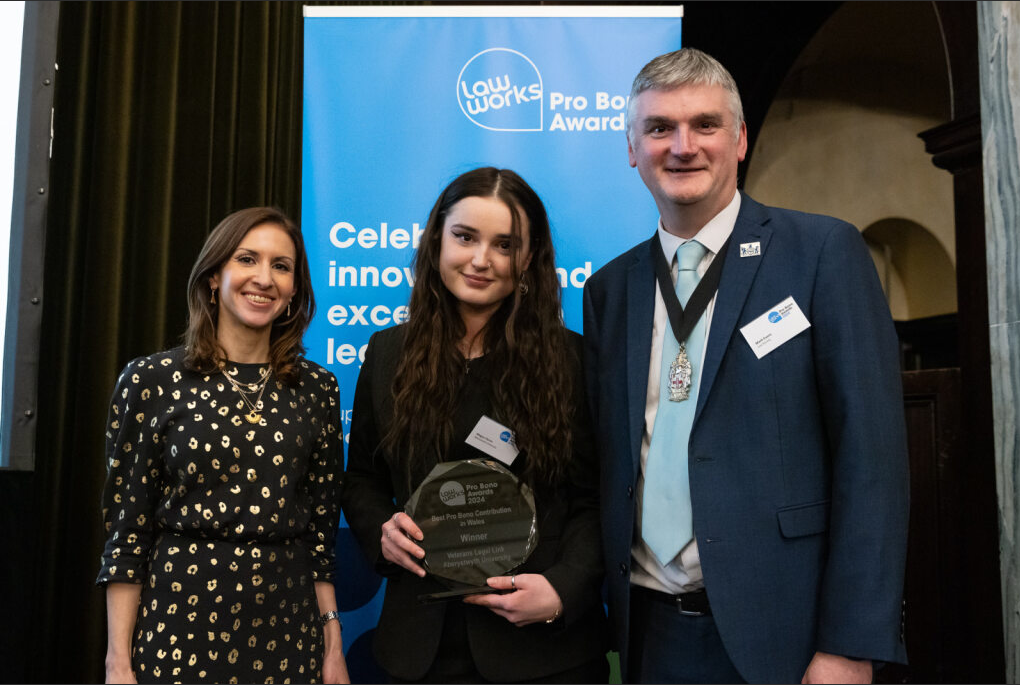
(395,107)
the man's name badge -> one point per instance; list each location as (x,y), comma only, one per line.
(494,439)
(775,327)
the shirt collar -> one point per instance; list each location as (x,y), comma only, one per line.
(712,235)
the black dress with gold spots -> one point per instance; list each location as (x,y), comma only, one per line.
(225,522)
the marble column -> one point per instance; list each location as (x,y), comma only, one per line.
(999,59)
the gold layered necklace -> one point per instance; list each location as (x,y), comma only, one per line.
(254,414)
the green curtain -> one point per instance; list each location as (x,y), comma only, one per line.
(167,117)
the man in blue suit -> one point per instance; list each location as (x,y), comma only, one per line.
(754,470)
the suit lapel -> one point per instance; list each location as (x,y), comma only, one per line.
(640,313)
(734,285)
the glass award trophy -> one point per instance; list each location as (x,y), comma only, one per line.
(478,520)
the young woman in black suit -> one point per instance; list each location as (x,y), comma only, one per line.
(485,337)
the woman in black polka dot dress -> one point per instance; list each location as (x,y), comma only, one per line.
(221,501)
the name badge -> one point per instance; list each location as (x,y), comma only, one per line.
(494,439)
(775,327)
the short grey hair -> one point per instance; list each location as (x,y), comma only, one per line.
(687,66)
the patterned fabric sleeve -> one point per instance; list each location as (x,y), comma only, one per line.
(134,462)
(323,481)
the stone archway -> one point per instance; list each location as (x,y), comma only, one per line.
(841,138)
(917,272)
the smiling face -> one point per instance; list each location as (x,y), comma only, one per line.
(686,143)
(476,253)
(256,283)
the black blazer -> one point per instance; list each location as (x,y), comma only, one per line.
(568,554)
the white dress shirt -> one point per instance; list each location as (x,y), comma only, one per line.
(683,573)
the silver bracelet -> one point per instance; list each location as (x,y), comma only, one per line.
(329,616)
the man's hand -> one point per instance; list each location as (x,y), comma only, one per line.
(830,668)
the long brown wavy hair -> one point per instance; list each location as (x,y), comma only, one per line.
(525,339)
(203,351)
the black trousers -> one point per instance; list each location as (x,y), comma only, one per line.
(454,663)
(668,647)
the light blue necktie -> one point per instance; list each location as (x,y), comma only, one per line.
(666,501)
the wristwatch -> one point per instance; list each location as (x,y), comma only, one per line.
(329,616)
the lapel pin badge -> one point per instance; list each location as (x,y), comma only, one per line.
(750,249)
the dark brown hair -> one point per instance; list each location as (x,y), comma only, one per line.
(525,340)
(203,351)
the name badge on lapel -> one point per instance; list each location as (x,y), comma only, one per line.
(494,439)
(776,326)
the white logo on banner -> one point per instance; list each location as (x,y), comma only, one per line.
(501,90)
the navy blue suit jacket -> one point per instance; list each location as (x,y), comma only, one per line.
(798,465)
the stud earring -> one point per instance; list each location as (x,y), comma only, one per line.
(212,297)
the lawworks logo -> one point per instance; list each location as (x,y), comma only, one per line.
(451,493)
(501,90)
